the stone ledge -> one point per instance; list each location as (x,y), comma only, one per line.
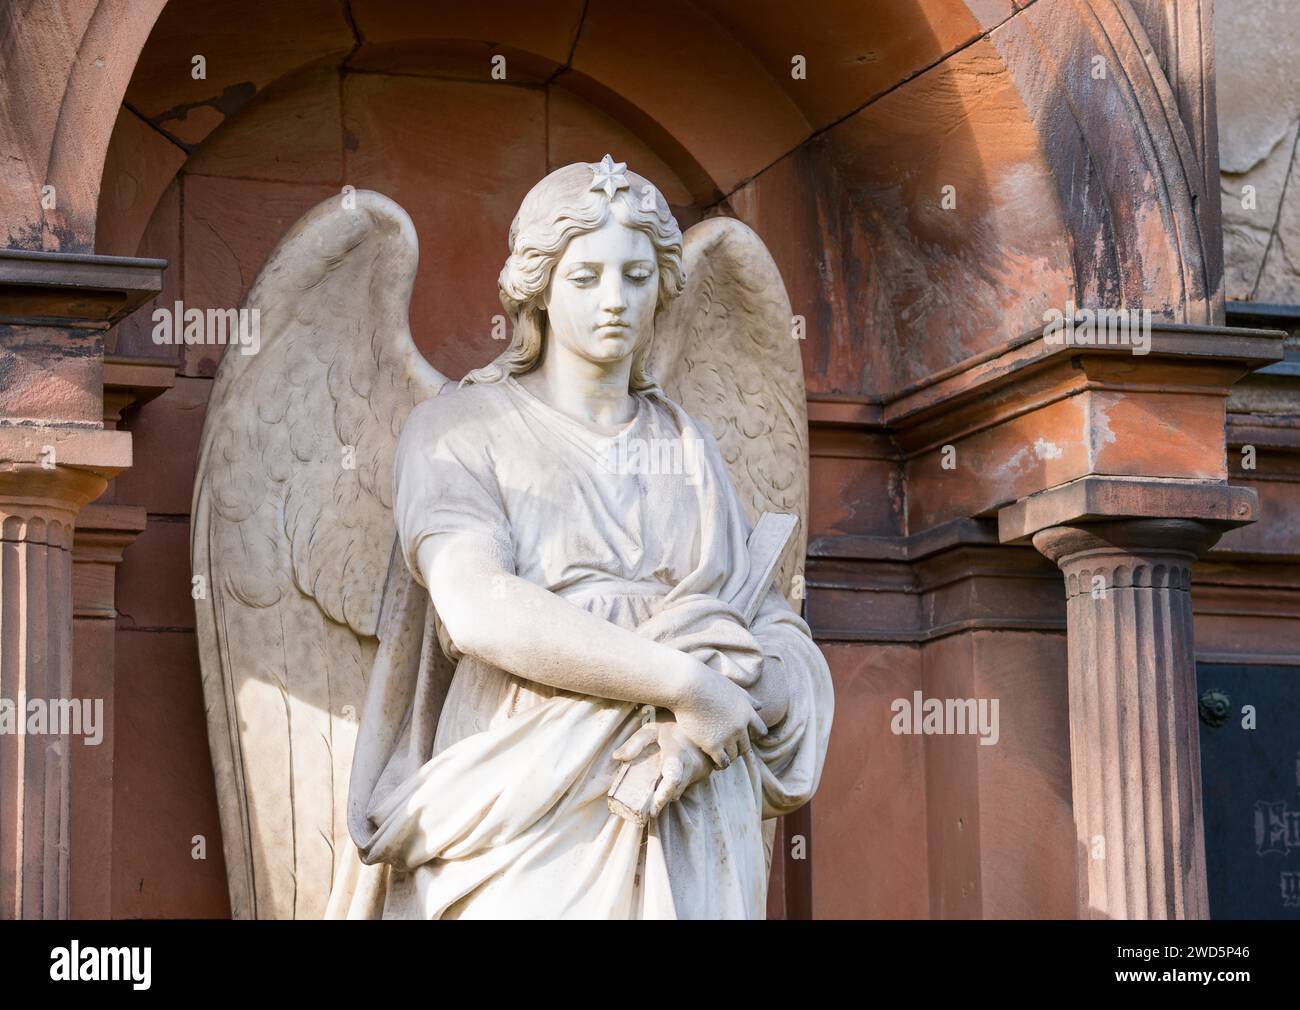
(93,448)
(133,382)
(1095,499)
(1249,349)
(913,547)
(74,289)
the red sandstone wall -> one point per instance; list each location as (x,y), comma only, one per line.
(840,173)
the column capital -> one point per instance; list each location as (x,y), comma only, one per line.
(1152,552)
(50,473)
(47,475)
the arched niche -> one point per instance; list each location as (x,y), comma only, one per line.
(843,169)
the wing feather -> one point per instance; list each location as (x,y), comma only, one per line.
(292,532)
(725,351)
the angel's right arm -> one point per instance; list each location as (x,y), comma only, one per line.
(518,626)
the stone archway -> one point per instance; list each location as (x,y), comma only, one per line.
(1064,187)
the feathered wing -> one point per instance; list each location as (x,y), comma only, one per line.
(725,350)
(292,535)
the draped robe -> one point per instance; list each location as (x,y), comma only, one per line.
(478,793)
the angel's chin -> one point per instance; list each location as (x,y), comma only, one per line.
(613,344)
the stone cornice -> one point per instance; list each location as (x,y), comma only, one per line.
(74,289)
(1241,350)
(916,589)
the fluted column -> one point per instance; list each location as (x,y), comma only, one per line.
(39,503)
(1134,747)
(55,457)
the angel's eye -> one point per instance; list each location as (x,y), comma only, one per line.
(639,275)
(583,278)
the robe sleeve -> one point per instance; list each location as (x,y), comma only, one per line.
(794,750)
(444,484)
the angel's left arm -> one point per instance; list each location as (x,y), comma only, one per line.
(794,748)
(771,691)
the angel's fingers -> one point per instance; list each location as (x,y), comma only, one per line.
(636,743)
(757,725)
(669,787)
(743,744)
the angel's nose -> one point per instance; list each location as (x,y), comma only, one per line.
(612,297)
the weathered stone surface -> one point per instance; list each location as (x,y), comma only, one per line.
(1252,216)
(50,375)
(1025,818)
(67,65)
(1257,41)
(971,445)
(1279,281)
(38,509)
(162,239)
(166,432)
(854,52)
(460,40)
(728,110)
(246,46)
(458,158)
(164,803)
(913,277)
(869,811)
(138,168)
(1216,505)
(1259,96)
(291,132)
(858,247)
(991,809)
(154,578)
(1116,134)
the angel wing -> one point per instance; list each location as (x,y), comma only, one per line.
(725,351)
(292,535)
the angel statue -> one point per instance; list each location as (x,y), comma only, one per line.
(443,620)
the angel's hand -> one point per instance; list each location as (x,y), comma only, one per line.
(717,715)
(681,763)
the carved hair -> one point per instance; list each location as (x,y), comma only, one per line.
(555,210)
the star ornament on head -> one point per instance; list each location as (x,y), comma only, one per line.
(610,176)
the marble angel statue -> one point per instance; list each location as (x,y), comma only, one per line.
(440,616)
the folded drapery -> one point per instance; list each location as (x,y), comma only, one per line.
(478,793)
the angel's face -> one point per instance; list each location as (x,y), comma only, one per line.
(602,296)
